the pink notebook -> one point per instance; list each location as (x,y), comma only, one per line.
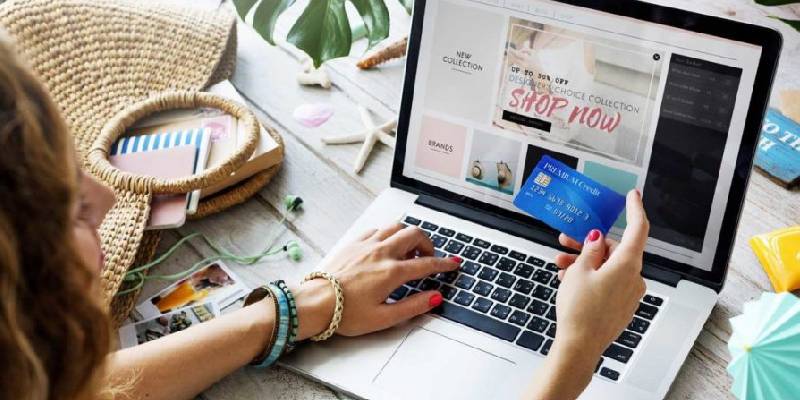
(166,211)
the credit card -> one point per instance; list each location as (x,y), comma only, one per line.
(567,200)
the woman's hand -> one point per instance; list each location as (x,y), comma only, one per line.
(369,269)
(600,290)
(603,285)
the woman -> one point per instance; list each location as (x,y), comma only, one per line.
(55,337)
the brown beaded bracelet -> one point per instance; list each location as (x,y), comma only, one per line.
(256,295)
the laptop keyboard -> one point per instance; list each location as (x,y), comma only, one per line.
(511,295)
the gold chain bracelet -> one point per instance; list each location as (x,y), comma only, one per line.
(338,308)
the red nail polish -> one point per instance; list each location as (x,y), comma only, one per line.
(594,235)
(456,259)
(435,300)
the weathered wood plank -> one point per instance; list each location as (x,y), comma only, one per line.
(332,198)
(266,76)
(697,381)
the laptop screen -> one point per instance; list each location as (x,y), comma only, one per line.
(631,104)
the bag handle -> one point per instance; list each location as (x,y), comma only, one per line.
(116,126)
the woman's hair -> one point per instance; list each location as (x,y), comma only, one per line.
(54,330)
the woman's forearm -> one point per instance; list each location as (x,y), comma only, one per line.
(185,363)
(564,375)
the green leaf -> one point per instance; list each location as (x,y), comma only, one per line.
(776,2)
(358,32)
(322,31)
(243,6)
(792,22)
(408,5)
(266,15)
(376,19)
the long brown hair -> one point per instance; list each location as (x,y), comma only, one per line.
(54,331)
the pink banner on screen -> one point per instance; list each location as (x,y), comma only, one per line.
(441,147)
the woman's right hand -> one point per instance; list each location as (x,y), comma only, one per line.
(602,285)
(600,290)
(369,269)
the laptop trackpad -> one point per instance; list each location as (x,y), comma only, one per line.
(415,369)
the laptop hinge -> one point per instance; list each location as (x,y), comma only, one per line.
(655,273)
(506,225)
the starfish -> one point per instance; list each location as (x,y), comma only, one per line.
(372,134)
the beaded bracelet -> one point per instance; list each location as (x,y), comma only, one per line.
(338,308)
(294,321)
(283,322)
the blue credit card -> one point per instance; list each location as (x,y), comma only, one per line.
(567,200)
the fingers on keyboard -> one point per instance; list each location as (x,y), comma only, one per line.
(511,295)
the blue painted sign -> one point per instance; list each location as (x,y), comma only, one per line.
(778,151)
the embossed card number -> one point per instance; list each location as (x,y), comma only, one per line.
(567,200)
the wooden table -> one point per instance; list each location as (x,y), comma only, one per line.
(334,196)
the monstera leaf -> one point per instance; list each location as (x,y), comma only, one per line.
(376,19)
(408,4)
(792,22)
(323,30)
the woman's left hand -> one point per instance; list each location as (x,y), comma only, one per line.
(369,269)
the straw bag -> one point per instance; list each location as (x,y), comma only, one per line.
(106,65)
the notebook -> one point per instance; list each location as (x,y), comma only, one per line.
(166,211)
(166,137)
(266,154)
(226,135)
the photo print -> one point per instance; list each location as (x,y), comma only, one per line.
(214,282)
(144,331)
(588,93)
(493,162)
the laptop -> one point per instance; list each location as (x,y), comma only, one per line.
(631,94)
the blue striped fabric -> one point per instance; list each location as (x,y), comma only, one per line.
(165,140)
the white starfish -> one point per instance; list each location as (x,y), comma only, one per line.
(369,136)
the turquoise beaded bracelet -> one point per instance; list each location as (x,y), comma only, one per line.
(292,314)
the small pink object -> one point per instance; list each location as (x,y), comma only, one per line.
(314,114)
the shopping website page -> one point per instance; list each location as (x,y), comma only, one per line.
(630,104)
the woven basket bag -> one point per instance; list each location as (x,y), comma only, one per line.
(109,63)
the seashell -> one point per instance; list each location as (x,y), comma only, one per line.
(504,174)
(477,170)
(313,115)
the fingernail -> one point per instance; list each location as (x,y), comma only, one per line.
(435,300)
(456,259)
(638,193)
(593,235)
